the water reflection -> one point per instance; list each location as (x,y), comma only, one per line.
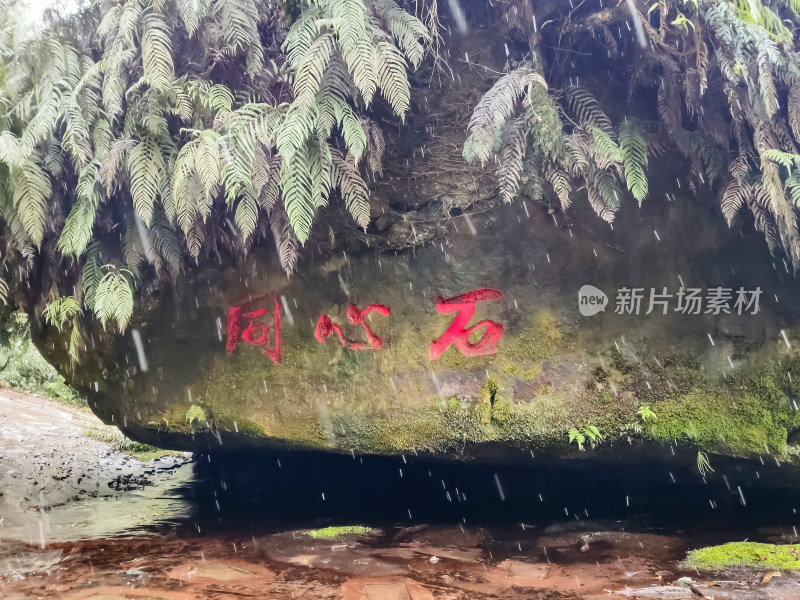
(152,509)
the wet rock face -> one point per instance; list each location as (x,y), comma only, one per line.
(516,365)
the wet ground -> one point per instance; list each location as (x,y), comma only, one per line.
(394,563)
(612,523)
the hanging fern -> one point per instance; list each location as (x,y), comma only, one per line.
(634,154)
(144,145)
(113,300)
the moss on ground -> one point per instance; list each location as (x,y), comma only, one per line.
(329,533)
(111,435)
(744,554)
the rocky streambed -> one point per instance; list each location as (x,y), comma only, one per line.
(619,522)
(54,457)
(591,561)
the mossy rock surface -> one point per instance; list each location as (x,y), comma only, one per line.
(554,370)
(744,554)
(332,533)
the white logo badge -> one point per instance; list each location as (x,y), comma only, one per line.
(591,300)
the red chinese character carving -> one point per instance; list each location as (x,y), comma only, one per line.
(458,333)
(326,327)
(255,334)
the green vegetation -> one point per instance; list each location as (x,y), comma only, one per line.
(329,533)
(24,368)
(589,432)
(195,413)
(703,463)
(646,414)
(161,134)
(112,435)
(148,127)
(744,554)
(561,137)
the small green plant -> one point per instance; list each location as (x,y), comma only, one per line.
(577,437)
(606,398)
(646,415)
(328,533)
(195,413)
(703,464)
(594,435)
(590,432)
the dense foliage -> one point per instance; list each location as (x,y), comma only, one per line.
(723,77)
(133,130)
(139,136)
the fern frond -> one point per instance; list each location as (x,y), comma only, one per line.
(786,159)
(353,133)
(498,104)
(757,202)
(598,204)
(297,186)
(10,151)
(794,111)
(78,228)
(111,162)
(192,12)
(376,147)
(114,299)
(133,251)
(732,199)
(634,155)
(606,184)
(392,78)
(109,23)
(165,242)
(92,273)
(313,66)
(349,18)
(409,32)
(185,186)
(30,192)
(511,159)
(354,191)
(606,150)
(587,109)
(562,186)
(239,23)
(285,243)
(301,35)
(157,51)
(76,135)
(217,97)
(207,162)
(145,169)
(76,343)
(246,216)
(793,189)
(362,60)
(61,311)
(769,94)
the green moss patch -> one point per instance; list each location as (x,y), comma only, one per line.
(719,420)
(744,554)
(329,533)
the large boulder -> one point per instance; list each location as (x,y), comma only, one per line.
(209,372)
